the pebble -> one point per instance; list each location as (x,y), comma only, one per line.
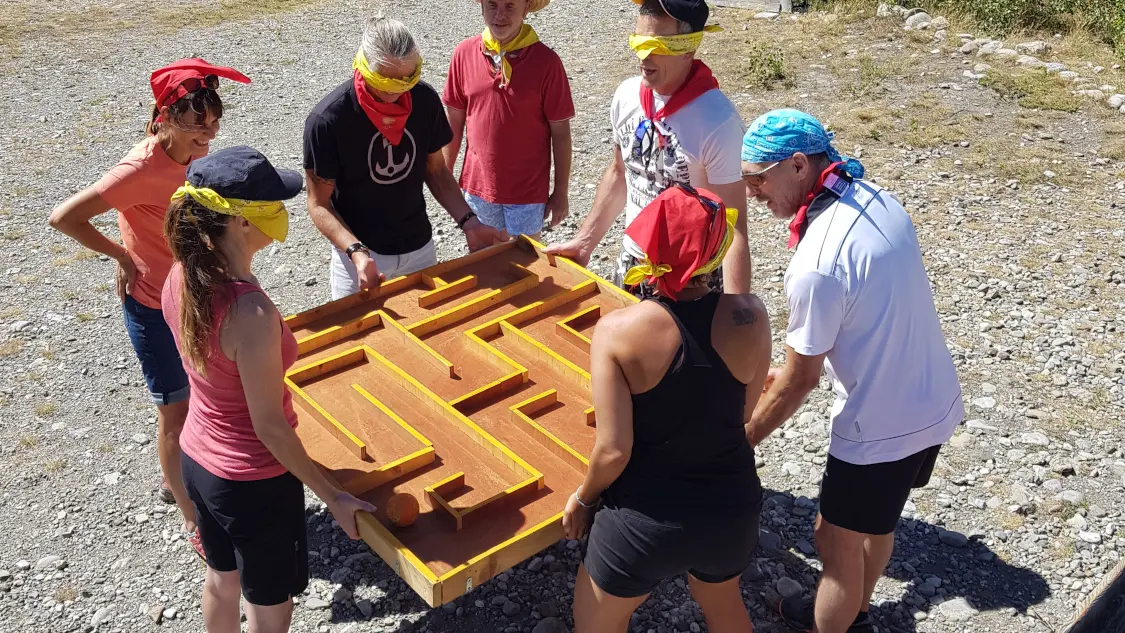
(953,539)
(510,608)
(1090,537)
(789,588)
(47,561)
(19,326)
(806,547)
(100,616)
(984,402)
(170,613)
(769,541)
(1072,497)
(535,565)
(156,614)
(23,565)
(316,604)
(1035,439)
(140,438)
(792,469)
(957,610)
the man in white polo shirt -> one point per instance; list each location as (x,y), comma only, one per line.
(860,307)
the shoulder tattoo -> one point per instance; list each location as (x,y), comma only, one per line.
(744,316)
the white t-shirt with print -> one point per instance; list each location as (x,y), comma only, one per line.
(703,146)
(858,293)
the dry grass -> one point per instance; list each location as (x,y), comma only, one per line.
(11,348)
(83,317)
(29,441)
(46,409)
(105,448)
(1036,90)
(765,67)
(54,465)
(66,593)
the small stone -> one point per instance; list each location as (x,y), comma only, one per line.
(100,616)
(550,625)
(1072,497)
(1047,173)
(769,541)
(1116,101)
(953,539)
(1077,522)
(19,326)
(989,48)
(535,565)
(311,281)
(316,604)
(365,607)
(978,425)
(1035,438)
(156,614)
(753,573)
(1090,537)
(919,21)
(47,561)
(170,613)
(1054,67)
(789,588)
(140,518)
(961,440)
(1029,61)
(4,575)
(140,438)
(806,547)
(1036,47)
(957,610)
(23,565)
(984,402)
(939,23)
(510,608)
(765,15)
(1068,75)
(548,609)
(791,469)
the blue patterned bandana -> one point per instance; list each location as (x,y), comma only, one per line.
(778,134)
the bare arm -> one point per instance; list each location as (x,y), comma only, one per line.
(252,338)
(73,219)
(322,213)
(613,443)
(737,271)
(609,201)
(457,122)
(785,392)
(562,148)
(448,194)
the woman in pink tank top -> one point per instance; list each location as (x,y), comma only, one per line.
(243,465)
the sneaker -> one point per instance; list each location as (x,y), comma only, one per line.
(165,493)
(797,613)
(197,545)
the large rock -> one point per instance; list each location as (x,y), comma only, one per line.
(939,24)
(953,539)
(1029,61)
(1006,53)
(1091,94)
(989,48)
(1054,67)
(884,10)
(1036,47)
(550,625)
(789,588)
(769,541)
(1116,101)
(919,21)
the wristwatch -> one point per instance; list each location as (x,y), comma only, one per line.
(465,219)
(354,248)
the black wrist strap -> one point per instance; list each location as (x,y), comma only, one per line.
(358,246)
(465,219)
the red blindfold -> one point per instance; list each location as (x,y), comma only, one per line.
(171,83)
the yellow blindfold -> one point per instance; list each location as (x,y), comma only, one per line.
(385,84)
(645,45)
(270,217)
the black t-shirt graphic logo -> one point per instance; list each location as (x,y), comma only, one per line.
(388,163)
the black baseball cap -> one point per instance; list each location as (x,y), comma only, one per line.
(694,12)
(243,173)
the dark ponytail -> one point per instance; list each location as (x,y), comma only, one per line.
(193,233)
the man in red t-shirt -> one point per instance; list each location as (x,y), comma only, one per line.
(511,93)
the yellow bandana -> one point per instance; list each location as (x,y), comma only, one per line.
(385,84)
(526,38)
(648,270)
(645,45)
(270,217)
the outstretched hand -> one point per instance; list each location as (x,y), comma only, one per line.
(343,507)
(574,249)
(479,235)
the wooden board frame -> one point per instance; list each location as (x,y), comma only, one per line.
(449,295)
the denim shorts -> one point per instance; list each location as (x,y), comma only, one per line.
(516,219)
(156,349)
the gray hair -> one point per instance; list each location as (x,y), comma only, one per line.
(654,8)
(386,40)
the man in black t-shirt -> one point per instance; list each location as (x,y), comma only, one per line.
(369,147)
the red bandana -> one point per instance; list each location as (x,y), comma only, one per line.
(389,118)
(698,81)
(798,221)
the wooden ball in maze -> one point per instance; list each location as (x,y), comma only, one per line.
(402,509)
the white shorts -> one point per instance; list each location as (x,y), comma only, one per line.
(343,279)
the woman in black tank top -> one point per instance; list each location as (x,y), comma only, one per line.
(672,475)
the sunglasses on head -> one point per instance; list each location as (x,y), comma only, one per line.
(716,209)
(190,86)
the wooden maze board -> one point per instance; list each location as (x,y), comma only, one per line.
(467,386)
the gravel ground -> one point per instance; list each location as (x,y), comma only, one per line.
(1019,523)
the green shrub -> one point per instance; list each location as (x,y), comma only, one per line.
(765,66)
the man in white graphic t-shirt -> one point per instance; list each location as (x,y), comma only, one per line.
(671,125)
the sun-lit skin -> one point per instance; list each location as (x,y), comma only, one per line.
(504,18)
(785,187)
(395,69)
(663,73)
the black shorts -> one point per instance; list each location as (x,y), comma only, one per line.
(629,553)
(256,527)
(869,499)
